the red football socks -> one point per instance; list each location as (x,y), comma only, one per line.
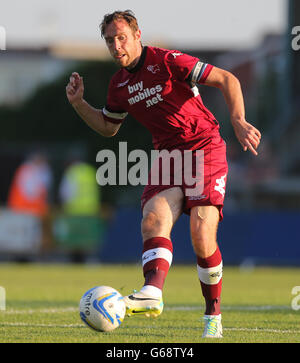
(210,276)
(157,259)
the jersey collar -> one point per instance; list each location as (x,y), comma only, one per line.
(140,63)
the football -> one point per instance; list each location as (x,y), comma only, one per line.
(102,308)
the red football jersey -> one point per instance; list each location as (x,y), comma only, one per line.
(161,93)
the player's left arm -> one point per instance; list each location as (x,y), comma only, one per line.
(248,136)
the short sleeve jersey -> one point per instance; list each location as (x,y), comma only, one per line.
(161,93)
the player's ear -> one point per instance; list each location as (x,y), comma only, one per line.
(138,34)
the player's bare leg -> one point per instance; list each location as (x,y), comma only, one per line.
(161,212)
(159,215)
(204,223)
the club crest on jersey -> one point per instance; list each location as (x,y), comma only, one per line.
(153,68)
(176,54)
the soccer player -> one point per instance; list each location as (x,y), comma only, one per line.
(158,87)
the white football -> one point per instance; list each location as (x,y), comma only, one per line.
(102,308)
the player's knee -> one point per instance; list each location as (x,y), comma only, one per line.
(204,223)
(200,233)
(151,225)
(203,237)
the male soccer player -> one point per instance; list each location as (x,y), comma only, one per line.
(158,87)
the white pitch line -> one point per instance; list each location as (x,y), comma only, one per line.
(42,325)
(258,330)
(40,311)
(167,308)
(232,308)
(72,309)
(26,325)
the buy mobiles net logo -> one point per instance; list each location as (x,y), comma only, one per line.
(2,38)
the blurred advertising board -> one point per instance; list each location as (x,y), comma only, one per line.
(19,233)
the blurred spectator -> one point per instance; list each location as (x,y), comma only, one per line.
(79,229)
(29,191)
(79,192)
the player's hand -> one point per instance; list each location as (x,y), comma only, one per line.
(248,136)
(75,89)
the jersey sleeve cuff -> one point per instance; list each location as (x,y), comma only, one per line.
(114,117)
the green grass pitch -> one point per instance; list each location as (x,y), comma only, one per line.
(42,305)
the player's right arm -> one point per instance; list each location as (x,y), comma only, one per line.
(93,117)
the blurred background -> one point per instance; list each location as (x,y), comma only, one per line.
(51,206)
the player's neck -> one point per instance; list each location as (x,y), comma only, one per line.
(133,64)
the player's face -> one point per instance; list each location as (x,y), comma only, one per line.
(124,44)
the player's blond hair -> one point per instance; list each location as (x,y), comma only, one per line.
(126,15)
